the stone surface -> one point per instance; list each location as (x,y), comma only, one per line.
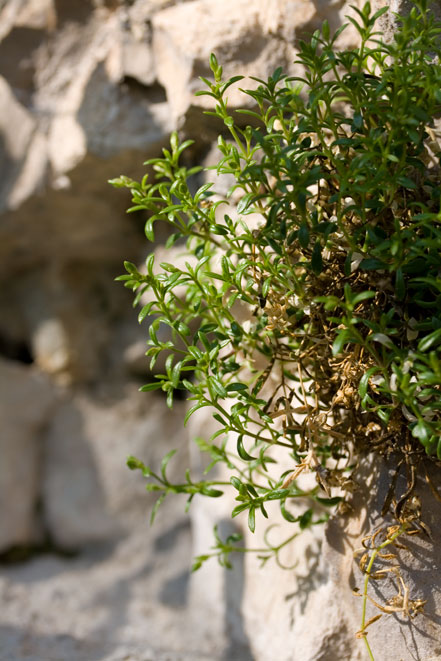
(88,493)
(26,401)
(394,637)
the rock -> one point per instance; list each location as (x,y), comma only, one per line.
(231,30)
(26,402)
(389,20)
(89,495)
(23,151)
(393,636)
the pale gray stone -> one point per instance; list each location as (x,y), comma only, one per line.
(26,401)
(89,495)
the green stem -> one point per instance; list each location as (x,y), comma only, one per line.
(376,551)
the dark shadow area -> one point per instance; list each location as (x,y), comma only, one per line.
(174,592)
(117,117)
(17,68)
(30,645)
(155,92)
(167,540)
(8,169)
(308,582)
(15,349)
(20,554)
(77,11)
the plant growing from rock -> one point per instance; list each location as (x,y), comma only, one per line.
(310,324)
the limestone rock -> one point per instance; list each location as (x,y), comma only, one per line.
(89,495)
(231,29)
(26,401)
(23,151)
(393,637)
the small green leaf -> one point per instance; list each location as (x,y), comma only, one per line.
(421,432)
(252,519)
(148,387)
(382,339)
(164,463)
(217,387)
(342,338)
(135,464)
(316,259)
(237,387)
(406,182)
(329,502)
(243,454)
(198,562)
(364,381)
(305,519)
(362,296)
(145,312)
(131,268)
(372,265)
(236,482)
(156,506)
(286,515)
(429,340)
(192,410)
(303,235)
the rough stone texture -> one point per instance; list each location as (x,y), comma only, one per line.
(21,451)
(90,89)
(393,637)
(389,20)
(88,494)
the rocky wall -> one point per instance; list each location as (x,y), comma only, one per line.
(89,89)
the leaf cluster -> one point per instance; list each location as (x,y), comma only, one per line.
(310,321)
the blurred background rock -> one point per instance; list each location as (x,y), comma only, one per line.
(89,89)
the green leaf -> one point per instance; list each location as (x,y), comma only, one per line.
(148,387)
(237,387)
(243,454)
(303,235)
(362,296)
(429,340)
(421,431)
(316,259)
(131,268)
(156,506)
(175,374)
(217,386)
(382,339)
(343,337)
(305,519)
(245,202)
(198,562)
(135,464)
(145,312)
(286,515)
(372,265)
(164,463)
(406,182)
(364,381)
(329,502)
(192,410)
(236,482)
(252,519)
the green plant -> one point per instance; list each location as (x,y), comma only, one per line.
(331,254)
